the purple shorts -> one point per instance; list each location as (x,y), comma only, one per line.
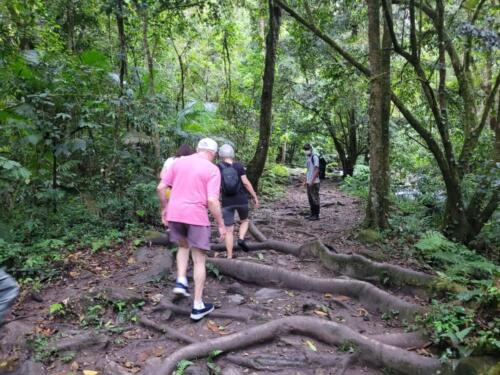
(196,235)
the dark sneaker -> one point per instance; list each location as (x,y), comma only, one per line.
(198,314)
(243,246)
(181,290)
(313,218)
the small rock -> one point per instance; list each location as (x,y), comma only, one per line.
(113,368)
(268,293)
(236,299)
(118,293)
(231,371)
(153,264)
(196,370)
(235,288)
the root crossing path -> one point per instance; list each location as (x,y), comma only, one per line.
(308,299)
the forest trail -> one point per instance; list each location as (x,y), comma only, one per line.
(113,311)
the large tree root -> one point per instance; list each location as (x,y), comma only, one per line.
(369,294)
(170,332)
(236,314)
(369,350)
(359,267)
(354,265)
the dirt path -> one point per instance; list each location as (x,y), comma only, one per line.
(94,324)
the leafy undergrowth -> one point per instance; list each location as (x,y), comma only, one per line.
(464,317)
(465,320)
(273,181)
(35,241)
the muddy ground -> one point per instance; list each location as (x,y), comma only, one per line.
(97,304)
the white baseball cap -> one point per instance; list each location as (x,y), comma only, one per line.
(207,144)
(226,151)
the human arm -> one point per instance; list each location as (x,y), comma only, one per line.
(163,191)
(215,210)
(248,185)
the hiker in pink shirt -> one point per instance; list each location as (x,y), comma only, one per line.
(195,187)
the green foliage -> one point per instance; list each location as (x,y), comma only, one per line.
(212,269)
(273,180)
(182,365)
(57,309)
(358,183)
(458,262)
(472,281)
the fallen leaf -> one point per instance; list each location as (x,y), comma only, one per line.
(320,313)
(128,364)
(74,274)
(131,260)
(159,352)
(328,296)
(212,326)
(311,345)
(90,372)
(74,366)
(362,312)
(341,298)
(157,298)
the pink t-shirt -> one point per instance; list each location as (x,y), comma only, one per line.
(193,179)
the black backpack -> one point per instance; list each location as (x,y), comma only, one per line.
(230,180)
(322,168)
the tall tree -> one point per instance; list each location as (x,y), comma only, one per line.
(123,42)
(464,217)
(380,100)
(256,165)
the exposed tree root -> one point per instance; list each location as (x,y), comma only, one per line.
(356,266)
(236,314)
(369,294)
(404,340)
(163,328)
(369,350)
(280,246)
(359,267)
(256,233)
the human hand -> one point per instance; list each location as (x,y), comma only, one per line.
(256,202)
(222,232)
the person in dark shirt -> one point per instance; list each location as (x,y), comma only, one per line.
(234,197)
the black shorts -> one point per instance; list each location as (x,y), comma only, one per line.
(228,214)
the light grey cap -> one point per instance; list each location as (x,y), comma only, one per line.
(226,151)
(207,144)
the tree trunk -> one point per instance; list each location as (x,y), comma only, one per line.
(256,166)
(379,113)
(123,43)
(147,52)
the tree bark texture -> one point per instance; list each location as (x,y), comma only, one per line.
(379,114)
(256,165)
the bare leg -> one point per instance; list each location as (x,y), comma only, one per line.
(182,258)
(244,228)
(229,241)
(199,273)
